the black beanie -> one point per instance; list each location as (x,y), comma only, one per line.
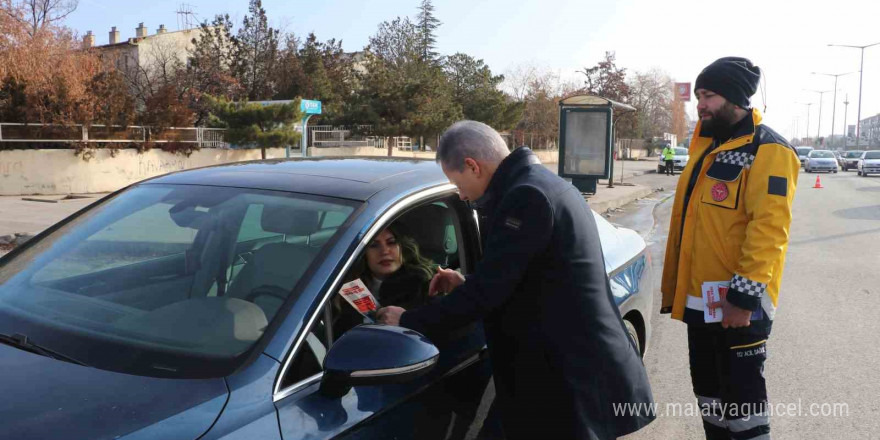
(734,78)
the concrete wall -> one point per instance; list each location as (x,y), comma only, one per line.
(26,172)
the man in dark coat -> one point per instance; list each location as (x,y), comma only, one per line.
(562,360)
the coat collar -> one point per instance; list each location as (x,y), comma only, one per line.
(509,168)
(743,134)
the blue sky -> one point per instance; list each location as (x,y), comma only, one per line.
(677,36)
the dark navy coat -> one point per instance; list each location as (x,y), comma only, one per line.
(560,353)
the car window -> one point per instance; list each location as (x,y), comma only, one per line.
(176,281)
(853,154)
(435,229)
(872,155)
(820,154)
(251,229)
(681,151)
(146,234)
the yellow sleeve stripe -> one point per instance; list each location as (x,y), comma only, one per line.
(737,347)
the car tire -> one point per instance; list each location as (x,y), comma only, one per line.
(660,170)
(858,172)
(633,335)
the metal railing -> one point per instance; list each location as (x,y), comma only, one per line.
(51,133)
(340,137)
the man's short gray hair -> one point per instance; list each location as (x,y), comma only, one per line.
(470,139)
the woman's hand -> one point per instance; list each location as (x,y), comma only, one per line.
(444,281)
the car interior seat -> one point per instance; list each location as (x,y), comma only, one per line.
(433,228)
(277,267)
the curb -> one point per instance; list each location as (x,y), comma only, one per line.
(603,206)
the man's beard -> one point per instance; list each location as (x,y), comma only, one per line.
(720,122)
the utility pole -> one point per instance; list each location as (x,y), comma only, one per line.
(861,73)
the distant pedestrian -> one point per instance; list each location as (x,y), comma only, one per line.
(669,158)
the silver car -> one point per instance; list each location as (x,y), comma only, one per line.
(869,163)
(802,153)
(821,160)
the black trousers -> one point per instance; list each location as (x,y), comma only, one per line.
(727,372)
(670,168)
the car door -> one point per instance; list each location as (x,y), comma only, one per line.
(442,404)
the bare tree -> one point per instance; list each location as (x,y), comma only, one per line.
(38,14)
(517,80)
(651,95)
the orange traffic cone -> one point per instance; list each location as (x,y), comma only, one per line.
(818,183)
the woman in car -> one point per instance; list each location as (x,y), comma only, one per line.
(395,273)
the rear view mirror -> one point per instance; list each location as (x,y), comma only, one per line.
(376,354)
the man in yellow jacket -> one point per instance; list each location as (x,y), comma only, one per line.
(728,234)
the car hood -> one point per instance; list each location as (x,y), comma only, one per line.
(872,162)
(47,398)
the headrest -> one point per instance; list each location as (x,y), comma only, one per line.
(432,228)
(288,220)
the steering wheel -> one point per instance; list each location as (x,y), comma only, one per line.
(268,290)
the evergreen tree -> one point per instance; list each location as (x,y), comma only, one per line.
(257,55)
(427,25)
(209,70)
(255,125)
(475,89)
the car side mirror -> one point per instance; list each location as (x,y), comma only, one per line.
(376,354)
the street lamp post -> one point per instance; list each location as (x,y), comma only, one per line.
(861,73)
(834,104)
(808,104)
(845,108)
(819,125)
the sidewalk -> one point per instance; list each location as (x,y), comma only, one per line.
(622,194)
(19,216)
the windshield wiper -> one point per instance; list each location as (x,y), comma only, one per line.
(21,341)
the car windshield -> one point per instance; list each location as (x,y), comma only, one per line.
(681,151)
(803,151)
(822,154)
(853,154)
(872,155)
(167,280)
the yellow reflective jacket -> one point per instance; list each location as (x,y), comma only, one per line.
(736,223)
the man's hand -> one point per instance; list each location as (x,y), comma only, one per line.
(444,281)
(389,315)
(733,316)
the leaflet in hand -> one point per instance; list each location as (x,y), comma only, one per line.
(357,294)
(713,291)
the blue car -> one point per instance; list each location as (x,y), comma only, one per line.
(200,305)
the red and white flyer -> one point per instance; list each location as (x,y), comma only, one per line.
(357,294)
(713,291)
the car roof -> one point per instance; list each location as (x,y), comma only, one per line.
(356,178)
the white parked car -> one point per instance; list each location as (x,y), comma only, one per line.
(869,163)
(679,161)
(821,160)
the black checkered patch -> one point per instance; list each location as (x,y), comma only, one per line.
(747,286)
(739,158)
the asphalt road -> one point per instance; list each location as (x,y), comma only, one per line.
(823,356)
